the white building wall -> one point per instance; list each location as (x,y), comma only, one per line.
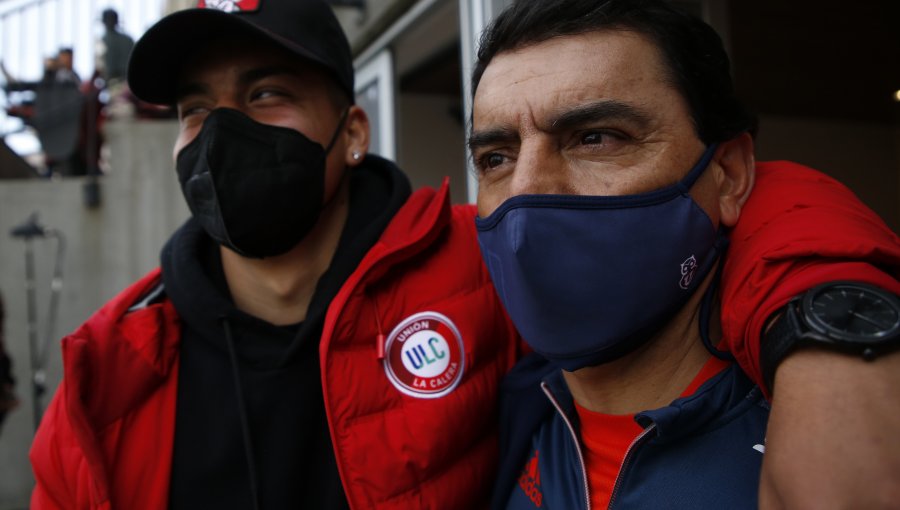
(107,248)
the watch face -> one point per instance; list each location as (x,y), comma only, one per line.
(853,312)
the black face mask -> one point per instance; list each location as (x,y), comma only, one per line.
(256,189)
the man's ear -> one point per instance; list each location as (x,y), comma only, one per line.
(738,173)
(357,133)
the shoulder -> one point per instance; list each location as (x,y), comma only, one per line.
(136,297)
(139,326)
(781,179)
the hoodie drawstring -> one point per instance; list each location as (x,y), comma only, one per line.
(242,411)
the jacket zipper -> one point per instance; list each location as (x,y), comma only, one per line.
(336,306)
(629,453)
(584,479)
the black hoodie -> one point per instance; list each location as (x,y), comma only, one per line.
(275,383)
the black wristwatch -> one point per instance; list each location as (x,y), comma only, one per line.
(854,317)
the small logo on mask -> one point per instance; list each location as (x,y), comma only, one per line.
(424,356)
(230,5)
(688,268)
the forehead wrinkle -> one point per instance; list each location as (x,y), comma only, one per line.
(528,122)
(498,116)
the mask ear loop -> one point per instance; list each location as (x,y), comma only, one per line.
(706,304)
(337,131)
(334,138)
(698,169)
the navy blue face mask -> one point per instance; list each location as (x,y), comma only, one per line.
(589,279)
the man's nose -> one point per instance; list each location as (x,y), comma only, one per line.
(540,170)
(229,102)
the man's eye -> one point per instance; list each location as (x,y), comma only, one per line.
(601,136)
(191,111)
(489,161)
(493,160)
(265,94)
(591,138)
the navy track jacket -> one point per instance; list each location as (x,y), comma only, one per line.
(701,451)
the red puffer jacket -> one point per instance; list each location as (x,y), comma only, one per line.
(412,418)
(106,440)
(799,228)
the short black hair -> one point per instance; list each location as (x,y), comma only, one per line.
(110,17)
(692,51)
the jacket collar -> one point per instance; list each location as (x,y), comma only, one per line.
(724,395)
(415,227)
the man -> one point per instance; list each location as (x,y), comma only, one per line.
(306,344)
(612,155)
(317,337)
(8,400)
(65,70)
(56,113)
(116,47)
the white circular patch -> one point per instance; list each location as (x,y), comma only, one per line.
(424,355)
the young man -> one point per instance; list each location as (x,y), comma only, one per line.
(65,71)
(613,156)
(318,336)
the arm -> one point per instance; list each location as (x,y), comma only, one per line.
(827,444)
(55,461)
(831,441)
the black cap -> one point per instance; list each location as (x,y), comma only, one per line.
(307,28)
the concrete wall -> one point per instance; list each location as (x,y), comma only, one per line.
(107,248)
(431,142)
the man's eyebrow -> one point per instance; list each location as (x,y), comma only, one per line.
(245,78)
(188,89)
(251,75)
(597,111)
(479,139)
(569,119)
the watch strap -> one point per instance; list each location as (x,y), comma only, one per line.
(778,341)
(790,329)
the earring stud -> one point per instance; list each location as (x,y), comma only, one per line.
(356,156)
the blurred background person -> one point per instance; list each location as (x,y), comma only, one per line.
(65,71)
(8,400)
(54,108)
(115,49)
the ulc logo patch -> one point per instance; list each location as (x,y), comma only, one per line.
(230,5)
(424,355)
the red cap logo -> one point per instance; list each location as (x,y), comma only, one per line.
(230,5)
